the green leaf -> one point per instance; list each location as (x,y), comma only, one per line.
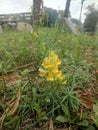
(12,120)
(95,108)
(90,127)
(66,110)
(43,118)
(61,119)
(25,73)
(0,66)
(34,91)
(95,120)
(83,123)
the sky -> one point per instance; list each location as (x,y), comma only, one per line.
(16,6)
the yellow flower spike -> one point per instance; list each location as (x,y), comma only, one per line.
(42,72)
(50,77)
(46,63)
(51,70)
(52,55)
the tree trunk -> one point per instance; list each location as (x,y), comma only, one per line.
(67,18)
(66,12)
(82,1)
(36,11)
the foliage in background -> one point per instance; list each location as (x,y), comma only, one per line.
(90,23)
(49,17)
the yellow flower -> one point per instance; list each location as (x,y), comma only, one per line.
(58,74)
(52,55)
(46,63)
(54,68)
(42,72)
(50,77)
(57,61)
(51,70)
(62,79)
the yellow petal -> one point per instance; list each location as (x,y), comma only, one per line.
(57,61)
(46,63)
(42,72)
(52,55)
(54,68)
(50,77)
(58,74)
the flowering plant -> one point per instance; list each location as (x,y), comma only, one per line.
(50,69)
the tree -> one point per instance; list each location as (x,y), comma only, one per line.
(68,21)
(66,12)
(91,19)
(82,2)
(36,11)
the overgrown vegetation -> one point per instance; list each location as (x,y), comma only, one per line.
(28,101)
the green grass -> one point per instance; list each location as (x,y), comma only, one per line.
(21,55)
